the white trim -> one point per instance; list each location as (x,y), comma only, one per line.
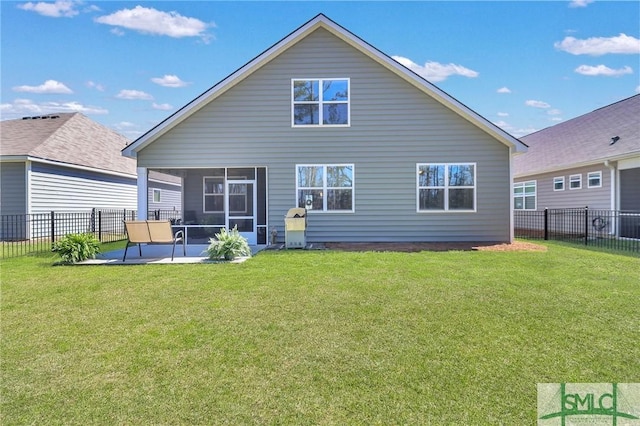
(446,188)
(599,185)
(67,165)
(561,181)
(627,158)
(524,195)
(27,185)
(155,191)
(320,103)
(143,193)
(321,21)
(325,188)
(579,180)
(511,210)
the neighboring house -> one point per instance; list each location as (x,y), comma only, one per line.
(69,163)
(324,120)
(589,161)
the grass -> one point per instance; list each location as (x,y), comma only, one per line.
(314,337)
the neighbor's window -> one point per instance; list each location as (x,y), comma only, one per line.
(446,187)
(524,195)
(558,183)
(213,193)
(156,195)
(575,181)
(320,102)
(594,179)
(327,188)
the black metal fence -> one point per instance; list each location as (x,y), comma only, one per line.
(613,229)
(36,233)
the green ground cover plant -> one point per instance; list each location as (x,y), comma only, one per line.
(314,337)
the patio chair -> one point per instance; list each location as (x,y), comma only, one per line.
(152,232)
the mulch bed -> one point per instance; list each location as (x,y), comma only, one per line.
(416,247)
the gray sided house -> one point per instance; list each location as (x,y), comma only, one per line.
(69,163)
(590,161)
(325,121)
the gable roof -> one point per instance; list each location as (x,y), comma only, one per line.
(584,140)
(69,138)
(321,21)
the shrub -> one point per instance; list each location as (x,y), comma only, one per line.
(77,247)
(228,245)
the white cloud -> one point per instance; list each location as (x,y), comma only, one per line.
(638,89)
(26,107)
(435,71)
(48,87)
(117,31)
(597,46)
(580,3)
(537,104)
(603,70)
(554,112)
(504,90)
(162,107)
(169,81)
(93,85)
(134,95)
(151,21)
(502,124)
(555,119)
(503,114)
(58,9)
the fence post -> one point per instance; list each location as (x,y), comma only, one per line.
(100,225)
(586,225)
(546,223)
(53,227)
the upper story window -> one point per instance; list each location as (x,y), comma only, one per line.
(446,187)
(524,195)
(320,102)
(157,196)
(594,179)
(575,181)
(327,188)
(558,183)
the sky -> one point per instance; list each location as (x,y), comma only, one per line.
(522,65)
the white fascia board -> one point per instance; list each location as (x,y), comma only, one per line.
(78,167)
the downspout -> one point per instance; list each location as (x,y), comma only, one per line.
(511,204)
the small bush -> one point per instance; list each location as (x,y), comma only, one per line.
(77,247)
(228,245)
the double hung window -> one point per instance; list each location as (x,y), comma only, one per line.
(320,102)
(524,195)
(575,181)
(446,187)
(327,188)
(213,194)
(558,183)
(594,179)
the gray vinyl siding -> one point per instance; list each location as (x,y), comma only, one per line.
(393,126)
(13,191)
(64,189)
(594,198)
(170,196)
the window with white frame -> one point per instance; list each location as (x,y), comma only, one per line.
(213,193)
(558,183)
(156,195)
(446,187)
(326,188)
(594,179)
(524,195)
(320,102)
(575,181)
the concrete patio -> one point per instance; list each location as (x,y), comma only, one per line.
(159,254)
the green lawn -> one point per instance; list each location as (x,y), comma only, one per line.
(314,337)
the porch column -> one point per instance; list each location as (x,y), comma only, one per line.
(143,193)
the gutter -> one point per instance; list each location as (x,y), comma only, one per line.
(612,176)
